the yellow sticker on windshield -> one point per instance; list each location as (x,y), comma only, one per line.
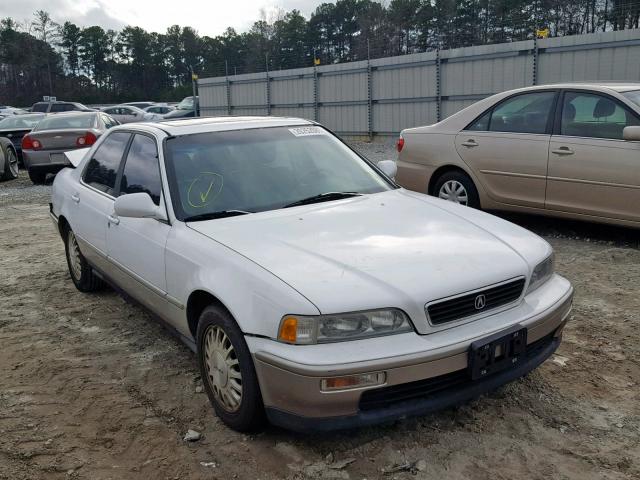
(204,189)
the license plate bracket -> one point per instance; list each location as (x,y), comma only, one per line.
(497,352)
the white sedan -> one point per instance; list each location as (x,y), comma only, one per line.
(130,113)
(313,289)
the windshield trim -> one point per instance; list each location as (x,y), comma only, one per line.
(173,190)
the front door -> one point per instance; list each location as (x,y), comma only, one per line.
(507,148)
(136,246)
(592,170)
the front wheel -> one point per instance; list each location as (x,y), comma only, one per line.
(227,371)
(458,188)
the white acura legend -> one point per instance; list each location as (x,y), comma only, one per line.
(313,289)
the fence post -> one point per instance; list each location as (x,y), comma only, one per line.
(315,91)
(369,96)
(438,85)
(535,60)
(228,86)
(268,86)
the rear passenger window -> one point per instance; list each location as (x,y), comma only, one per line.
(527,113)
(58,107)
(40,107)
(141,170)
(592,115)
(102,169)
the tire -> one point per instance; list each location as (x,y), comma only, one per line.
(38,178)
(81,273)
(10,156)
(457,187)
(216,327)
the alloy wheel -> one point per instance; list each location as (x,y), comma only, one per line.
(75,260)
(13,162)
(454,191)
(223,369)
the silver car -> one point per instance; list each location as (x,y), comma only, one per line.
(129,114)
(43,149)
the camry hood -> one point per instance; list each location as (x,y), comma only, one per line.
(391,249)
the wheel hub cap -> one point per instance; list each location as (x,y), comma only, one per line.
(455,192)
(74,257)
(13,162)
(223,369)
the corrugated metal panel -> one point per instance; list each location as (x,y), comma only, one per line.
(404,89)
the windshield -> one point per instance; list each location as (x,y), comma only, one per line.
(20,121)
(61,121)
(633,95)
(262,169)
(186,104)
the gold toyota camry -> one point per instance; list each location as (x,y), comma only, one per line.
(568,150)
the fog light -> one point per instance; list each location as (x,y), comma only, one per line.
(352,381)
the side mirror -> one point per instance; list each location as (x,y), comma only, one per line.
(389,168)
(138,205)
(631,134)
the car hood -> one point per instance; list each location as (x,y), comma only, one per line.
(392,249)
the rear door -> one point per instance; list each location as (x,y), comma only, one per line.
(136,246)
(507,147)
(592,170)
(94,197)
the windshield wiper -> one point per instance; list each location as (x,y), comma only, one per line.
(214,215)
(323,197)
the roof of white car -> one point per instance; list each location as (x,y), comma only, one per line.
(616,86)
(216,124)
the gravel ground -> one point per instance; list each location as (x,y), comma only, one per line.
(92,388)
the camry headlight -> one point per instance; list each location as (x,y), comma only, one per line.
(306,330)
(541,273)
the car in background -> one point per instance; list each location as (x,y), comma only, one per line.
(8,160)
(185,109)
(359,303)
(141,105)
(128,114)
(60,106)
(568,150)
(16,127)
(43,149)
(6,111)
(160,109)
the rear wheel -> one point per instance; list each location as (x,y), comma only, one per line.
(10,160)
(38,178)
(227,371)
(81,273)
(458,188)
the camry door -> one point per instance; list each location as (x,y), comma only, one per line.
(92,199)
(592,170)
(507,148)
(136,246)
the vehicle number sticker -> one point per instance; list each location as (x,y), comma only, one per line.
(307,131)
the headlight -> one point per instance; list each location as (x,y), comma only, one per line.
(541,273)
(305,330)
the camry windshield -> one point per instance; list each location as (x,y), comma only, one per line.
(186,104)
(246,171)
(20,121)
(633,95)
(63,121)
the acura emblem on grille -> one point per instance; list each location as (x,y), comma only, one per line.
(480,302)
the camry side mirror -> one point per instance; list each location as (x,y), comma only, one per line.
(631,134)
(138,205)
(389,168)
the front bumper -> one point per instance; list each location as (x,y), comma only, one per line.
(290,384)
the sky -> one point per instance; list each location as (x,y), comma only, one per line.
(208,17)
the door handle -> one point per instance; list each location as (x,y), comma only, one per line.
(75,197)
(113,219)
(562,151)
(470,143)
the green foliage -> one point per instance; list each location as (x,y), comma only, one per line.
(92,65)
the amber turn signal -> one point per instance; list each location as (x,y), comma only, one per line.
(288,330)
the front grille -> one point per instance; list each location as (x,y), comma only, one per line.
(387,396)
(465,305)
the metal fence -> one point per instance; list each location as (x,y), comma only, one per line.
(380,97)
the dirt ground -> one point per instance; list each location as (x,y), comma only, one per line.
(92,388)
